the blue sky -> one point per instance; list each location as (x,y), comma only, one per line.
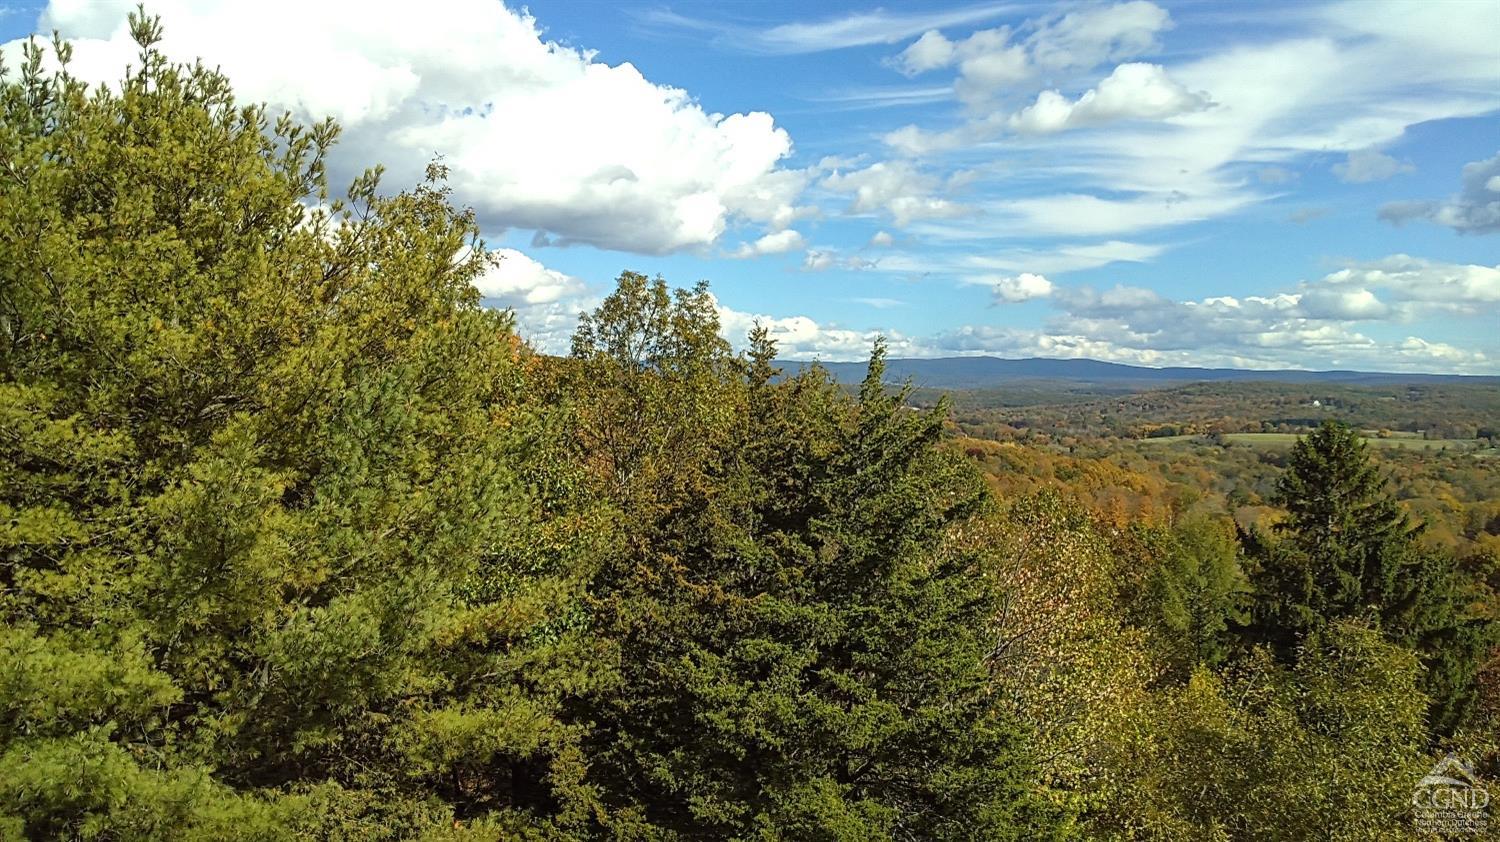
(1262,185)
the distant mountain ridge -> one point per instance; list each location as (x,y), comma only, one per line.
(986,372)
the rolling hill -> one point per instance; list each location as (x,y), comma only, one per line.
(986,372)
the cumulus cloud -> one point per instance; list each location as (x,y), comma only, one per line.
(1093,36)
(1364,165)
(545,302)
(1475,210)
(1311,324)
(989,65)
(1358,304)
(1421,287)
(516,280)
(537,135)
(882,239)
(1316,324)
(800,337)
(894,187)
(991,61)
(1134,91)
(1022,287)
(778,242)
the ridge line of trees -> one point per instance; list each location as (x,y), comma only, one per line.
(300,540)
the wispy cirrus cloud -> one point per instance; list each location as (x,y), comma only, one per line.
(857,29)
(884,97)
(1190,138)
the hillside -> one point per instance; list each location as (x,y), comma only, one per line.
(983,372)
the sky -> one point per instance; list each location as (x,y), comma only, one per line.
(1260,185)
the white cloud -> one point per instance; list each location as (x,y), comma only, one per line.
(800,337)
(989,65)
(1313,324)
(1066,258)
(1093,36)
(537,135)
(1475,210)
(857,99)
(1357,304)
(818,261)
(1365,165)
(991,62)
(916,142)
(882,239)
(516,280)
(1022,287)
(895,187)
(1280,99)
(1425,286)
(822,259)
(778,242)
(1083,214)
(1134,91)
(853,30)
(545,302)
(929,52)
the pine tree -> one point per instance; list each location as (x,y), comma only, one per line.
(1338,508)
(797,661)
(1347,551)
(270,568)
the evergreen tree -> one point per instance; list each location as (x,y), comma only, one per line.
(1346,550)
(798,664)
(269,567)
(1338,510)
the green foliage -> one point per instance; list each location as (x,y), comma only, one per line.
(1327,748)
(1337,508)
(1063,653)
(1347,551)
(1194,594)
(263,534)
(297,540)
(798,662)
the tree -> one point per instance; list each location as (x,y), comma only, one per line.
(1328,747)
(1062,653)
(1348,551)
(1196,593)
(797,661)
(269,566)
(1337,507)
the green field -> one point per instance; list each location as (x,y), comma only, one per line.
(1284,440)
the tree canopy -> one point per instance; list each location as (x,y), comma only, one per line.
(298,539)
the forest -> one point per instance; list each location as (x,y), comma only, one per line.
(299,540)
